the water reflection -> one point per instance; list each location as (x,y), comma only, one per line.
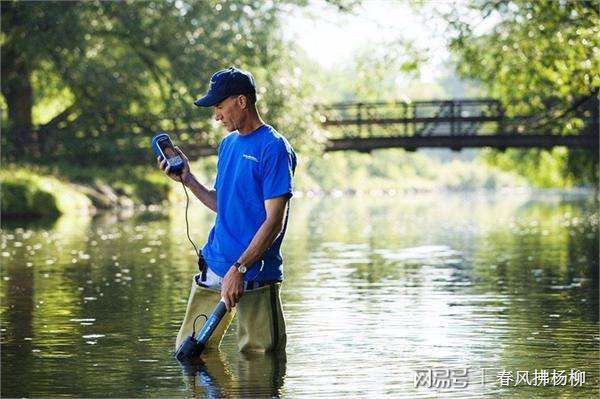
(375,288)
(251,375)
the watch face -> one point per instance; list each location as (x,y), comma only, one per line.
(242,269)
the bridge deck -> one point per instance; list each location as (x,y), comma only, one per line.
(456,143)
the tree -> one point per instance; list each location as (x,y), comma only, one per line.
(538,57)
(123,70)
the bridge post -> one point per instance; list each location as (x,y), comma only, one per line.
(414,117)
(459,121)
(404,115)
(500,111)
(454,124)
(359,118)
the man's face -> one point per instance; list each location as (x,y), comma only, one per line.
(228,112)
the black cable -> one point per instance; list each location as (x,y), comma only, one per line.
(194,325)
(187,224)
(187,229)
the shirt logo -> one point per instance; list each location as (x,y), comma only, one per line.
(250,157)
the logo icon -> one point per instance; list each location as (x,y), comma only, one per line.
(250,157)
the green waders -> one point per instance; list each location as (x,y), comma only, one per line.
(261,324)
(202,301)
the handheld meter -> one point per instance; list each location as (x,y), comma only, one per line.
(163,147)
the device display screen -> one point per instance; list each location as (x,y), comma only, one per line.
(167,148)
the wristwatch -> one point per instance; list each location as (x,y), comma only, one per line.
(240,268)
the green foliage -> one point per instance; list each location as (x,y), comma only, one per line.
(400,170)
(44,203)
(537,56)
(106,75)
(545,168)
(14,198)
(141,184)
(378,69)
(40,191)
(373,73)
(152,189)
(22,197)
(538,50)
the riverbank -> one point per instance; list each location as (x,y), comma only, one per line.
(49,191)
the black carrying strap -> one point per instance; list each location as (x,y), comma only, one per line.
(202,266)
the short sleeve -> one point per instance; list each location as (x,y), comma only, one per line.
(279,162)
(222,149)
(216,183)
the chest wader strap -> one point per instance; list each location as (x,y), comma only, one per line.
(202,266)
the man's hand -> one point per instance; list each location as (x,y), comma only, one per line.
(185,172)
(232,287)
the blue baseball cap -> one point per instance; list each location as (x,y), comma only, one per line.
(225,83)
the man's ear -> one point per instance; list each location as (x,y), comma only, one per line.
(242,101)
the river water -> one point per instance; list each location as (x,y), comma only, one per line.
(420,295)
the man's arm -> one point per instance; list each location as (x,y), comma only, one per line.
(268,231)
(206,196)
(232,286)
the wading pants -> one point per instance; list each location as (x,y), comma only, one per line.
(261,325)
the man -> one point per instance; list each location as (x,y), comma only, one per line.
(242,257)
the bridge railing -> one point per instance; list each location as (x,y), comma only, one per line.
(414,118)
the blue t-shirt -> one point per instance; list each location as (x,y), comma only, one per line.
(251,168)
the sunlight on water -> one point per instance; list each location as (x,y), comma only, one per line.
(375,290)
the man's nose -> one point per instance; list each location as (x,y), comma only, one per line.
(217,116)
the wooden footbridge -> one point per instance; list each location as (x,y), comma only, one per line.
(453,124)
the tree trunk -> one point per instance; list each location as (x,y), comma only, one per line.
(16,88)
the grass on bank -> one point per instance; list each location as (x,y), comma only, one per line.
(25,194)
(33,191)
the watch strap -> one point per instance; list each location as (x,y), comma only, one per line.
(240,268)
